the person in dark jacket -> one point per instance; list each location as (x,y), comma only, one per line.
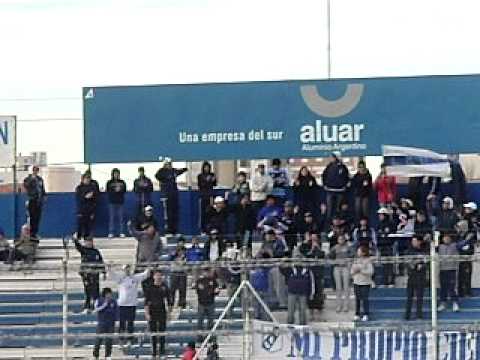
(305,190)
(91,265)
(116,189)
(86,196)
(417,277)
(244,223)
(107,311)
(415,192)
(335,179)
(206,181)
(143,188)
(447,217)
(178,276)
(217,215)
(362,190)
(434,186)
(385,227)
(292,226)
(312,250)
(423,227)
(239,189)
(35,188)
(207,289)
(465,268)
(458,182)
(167,177)
(300,285)
(158,304)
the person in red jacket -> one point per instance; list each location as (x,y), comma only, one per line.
(386,187)
(189,352)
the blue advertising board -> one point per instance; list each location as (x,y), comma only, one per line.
(286,119)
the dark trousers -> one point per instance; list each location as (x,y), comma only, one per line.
(334,199)
(415,288)
(361,207)
(465,279)
(127,320)
(4,255)
(143,199)
(178,282)
(388,274)
(205,311)
(104,329)
(205,201)
(34,215)
(172,212)
(448,282)
(361,299)
(91,285)
(85,220)
(158,324)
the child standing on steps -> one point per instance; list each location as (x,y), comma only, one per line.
(362,271)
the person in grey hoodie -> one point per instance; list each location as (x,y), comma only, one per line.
(448,271)
(362,271)
(342,251)
(148,243)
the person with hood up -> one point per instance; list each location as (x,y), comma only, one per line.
(86,195)
(362,189)
(167,177)
(305,190)
(335,179)
(143,188)
(35,188)
(206,181)
(116,189)
(127,297)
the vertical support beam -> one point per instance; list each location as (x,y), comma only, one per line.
(65,309)
(433,293)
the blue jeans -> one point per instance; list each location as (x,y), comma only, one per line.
(115,211)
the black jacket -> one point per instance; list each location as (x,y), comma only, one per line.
(168,179)
(142,185)
(86,204)
(89,256)
(116,191)
(217,219)
(335,177)
(35,187)
(206,290)
(244,218)
(206,182)
(417,268)
(143,222)
(359,188)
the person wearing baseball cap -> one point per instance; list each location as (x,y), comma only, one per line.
(470,213)
(167,178)
(35,189)
(335,179)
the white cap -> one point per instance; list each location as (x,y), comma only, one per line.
(470,205)
(148,208)
(218,199)
(337,154)
(447,199)
(383,210)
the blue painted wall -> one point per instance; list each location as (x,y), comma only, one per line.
(59,211)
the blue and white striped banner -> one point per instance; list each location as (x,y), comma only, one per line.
(411,162)
(309,344)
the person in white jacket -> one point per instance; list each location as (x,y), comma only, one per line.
(261,186)
(127,297)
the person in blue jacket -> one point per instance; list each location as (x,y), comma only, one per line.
(335,179)
(106,308)
(167,177)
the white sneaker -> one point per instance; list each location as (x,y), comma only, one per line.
(110,236)
(122,235)
(356,318)
(365,318)
(455,307)
(441,307)
(391,286)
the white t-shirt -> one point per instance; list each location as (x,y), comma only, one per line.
(213,251)
(128,287)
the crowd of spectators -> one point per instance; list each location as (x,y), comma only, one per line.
(344,226)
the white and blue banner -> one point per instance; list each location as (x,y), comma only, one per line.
(411,162)
(305,343)
(7,141)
